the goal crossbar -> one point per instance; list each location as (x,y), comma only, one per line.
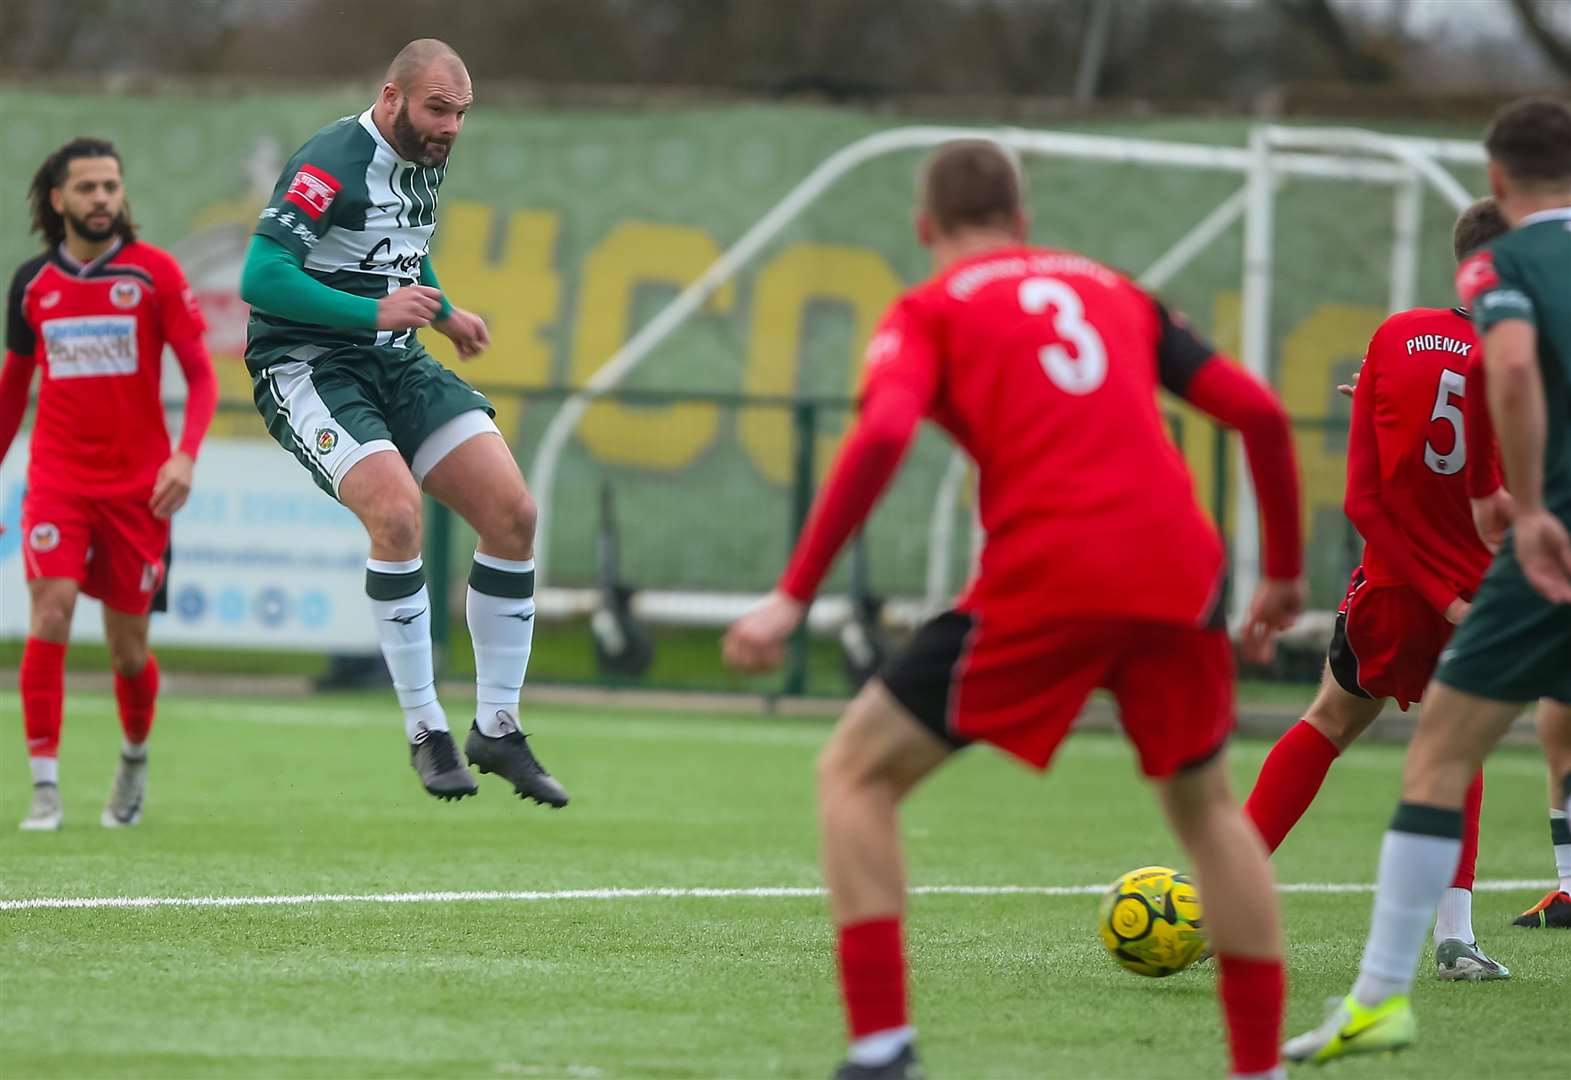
(1275,153)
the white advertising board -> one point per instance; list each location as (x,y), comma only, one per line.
(262,559)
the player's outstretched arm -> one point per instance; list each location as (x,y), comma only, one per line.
(1236,399)
(867,461)
(274,280)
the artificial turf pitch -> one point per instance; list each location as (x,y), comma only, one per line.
(314,796)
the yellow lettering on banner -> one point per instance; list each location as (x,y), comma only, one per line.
(858,277)
(518,296)
(1318,353)
(635,253)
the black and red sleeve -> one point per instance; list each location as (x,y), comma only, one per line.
(1180,352)
(20,337)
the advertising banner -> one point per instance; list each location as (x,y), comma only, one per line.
(262,560)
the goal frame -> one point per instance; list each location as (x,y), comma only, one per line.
(1408,165)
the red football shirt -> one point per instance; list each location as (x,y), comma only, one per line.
(98,332)
(1044,366)
(1408,456)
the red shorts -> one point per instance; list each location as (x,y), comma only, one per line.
(966,680)
(114,548)
(1387,642)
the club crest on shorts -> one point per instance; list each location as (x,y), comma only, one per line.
(326,439)
(44,537)
(150,576)
(125,294)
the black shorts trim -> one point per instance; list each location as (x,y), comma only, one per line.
(161,597)
(1340,657)
(1204,759)
(922,675)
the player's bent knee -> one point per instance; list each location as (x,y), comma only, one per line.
(1194,796)
(52,606)
(847,758)
(515,526)
(52,623)
(1554,732)
(528,517)
(878,746)
(1340,724)
(1339,716)
(832,769)
(395,525)
(128,658)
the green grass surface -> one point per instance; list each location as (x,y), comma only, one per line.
(315,796)
(685,659)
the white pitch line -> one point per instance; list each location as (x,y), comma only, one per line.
(762,893)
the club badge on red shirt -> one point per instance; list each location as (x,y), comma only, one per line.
(1476,274)
(125,294)
(312,190)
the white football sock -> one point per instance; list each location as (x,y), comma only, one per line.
(500,608)
(403,625)
(1455,917)
(1415,868)
(133,751)
(1562,849)
(46,770)
(881,1047)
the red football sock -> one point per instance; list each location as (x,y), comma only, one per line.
(873,976)
(1252,993)
(43,695)
(1471,808)
(1289,780)
(136,695)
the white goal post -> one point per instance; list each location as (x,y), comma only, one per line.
(1406,165)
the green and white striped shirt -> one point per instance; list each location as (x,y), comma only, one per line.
(360,217)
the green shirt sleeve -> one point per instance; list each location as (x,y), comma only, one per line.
(1503,294)
(428,277)
(273,280)
(301,209)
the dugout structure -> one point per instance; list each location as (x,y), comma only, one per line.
(1325,230)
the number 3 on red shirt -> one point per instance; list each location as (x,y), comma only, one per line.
(1085,371)
(1452,384)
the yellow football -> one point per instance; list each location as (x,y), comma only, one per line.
(1150,922)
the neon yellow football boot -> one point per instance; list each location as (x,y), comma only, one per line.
(1351,1028)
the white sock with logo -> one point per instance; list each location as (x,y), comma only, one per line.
(500,608)
(1417,862)
(402,610)
(1455,917)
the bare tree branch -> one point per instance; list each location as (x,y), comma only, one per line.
(1357,63)
(1556,48)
